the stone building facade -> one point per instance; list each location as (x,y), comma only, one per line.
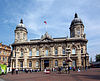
(5,52)
(50,52)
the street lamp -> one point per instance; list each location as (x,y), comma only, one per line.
(85,62)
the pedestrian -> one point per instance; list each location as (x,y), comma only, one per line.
(78,70)
(16,71)
(30,70)
(68,70)
(13,71)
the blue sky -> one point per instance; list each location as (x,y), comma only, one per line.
(57,13)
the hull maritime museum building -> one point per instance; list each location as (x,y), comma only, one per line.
(50,52)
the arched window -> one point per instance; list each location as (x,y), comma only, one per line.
(30,52)
(56,51)
(37,64)
(23,36)
(18,36)
(30,63)
(81,50)
(46,52)
(22,52)
(37,53)
(63,51)
(56,63)
(73,51)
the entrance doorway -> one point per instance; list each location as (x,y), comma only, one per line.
(46,63)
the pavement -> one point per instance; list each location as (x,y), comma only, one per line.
(92,74)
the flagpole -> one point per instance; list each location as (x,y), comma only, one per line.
(45,25)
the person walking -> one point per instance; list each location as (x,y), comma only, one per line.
(16,71)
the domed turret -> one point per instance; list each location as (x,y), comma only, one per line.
(76,20)
(20,32)
(76,27)
(21,26)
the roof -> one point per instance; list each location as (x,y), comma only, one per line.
(55,40)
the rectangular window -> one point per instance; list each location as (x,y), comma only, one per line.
(64,63)
(30,53)
(81,50)
(63,51)
(56,51)
(73,51)
(21,63)
(30,64)
(21,52)
(37,64)
(46,52)
(37,53)
(56,63)
(73,63)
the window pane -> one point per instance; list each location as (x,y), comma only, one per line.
(21,52)
(64,63)
(73,51)
(30,64)
(56,63)
(37,64)
(30,53)
(21,64)
(46,52)
(24,36)
(73,63)
(63,51)
(56,51)
(18,36)
(81,50)
(37,53)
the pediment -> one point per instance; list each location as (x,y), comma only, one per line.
(46,37)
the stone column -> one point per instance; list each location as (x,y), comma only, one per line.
(79,58)
(17,54)
(42,64)
(26,54)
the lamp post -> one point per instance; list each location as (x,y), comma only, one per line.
(85,63)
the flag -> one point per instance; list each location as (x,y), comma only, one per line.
(45,22)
